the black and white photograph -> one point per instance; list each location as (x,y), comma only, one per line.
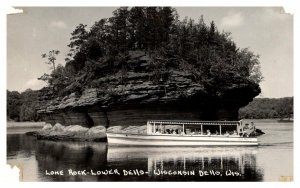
(150,94)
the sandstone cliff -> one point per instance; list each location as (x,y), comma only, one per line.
(142,93)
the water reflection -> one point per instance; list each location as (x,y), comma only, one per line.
(201,161)
(57,156)
(37,157)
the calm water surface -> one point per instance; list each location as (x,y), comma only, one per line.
(270,161)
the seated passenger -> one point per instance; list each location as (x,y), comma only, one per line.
(245,134)
(208,132)
(252,126)
(226,133)
(234,133)
(216,133)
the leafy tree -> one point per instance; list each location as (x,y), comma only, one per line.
(51,57)
(29,104)
(79,37)
(45,77)
(60,79)
(120,28)
(13,105)
(136,20)
(22,106)
(284,108)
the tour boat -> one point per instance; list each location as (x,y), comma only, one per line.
(188,133)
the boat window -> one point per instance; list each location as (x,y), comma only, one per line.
(229,130)
(199,128)
(213,129)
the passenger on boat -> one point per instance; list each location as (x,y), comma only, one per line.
(208,132)
(248,129)
(234,133)
(217,132)
(246,133)
(226,133)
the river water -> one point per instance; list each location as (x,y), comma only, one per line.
(42,160)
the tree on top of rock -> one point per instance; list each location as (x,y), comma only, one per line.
(210,57)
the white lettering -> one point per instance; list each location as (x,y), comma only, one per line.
(54,173)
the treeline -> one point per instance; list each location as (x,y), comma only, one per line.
(211,56)
(264,108)
(22,106)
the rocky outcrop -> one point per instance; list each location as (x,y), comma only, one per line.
(70,133)
(142,93)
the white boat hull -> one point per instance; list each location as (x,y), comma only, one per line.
(177,140)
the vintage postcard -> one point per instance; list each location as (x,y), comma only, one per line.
(150,94)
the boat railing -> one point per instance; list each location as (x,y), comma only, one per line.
(180,122)
(159,127)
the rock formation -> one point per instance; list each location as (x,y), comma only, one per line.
(70,133)
(133,97)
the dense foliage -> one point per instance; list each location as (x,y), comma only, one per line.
(262,108)
(13,105)
(22,106)
(193,46)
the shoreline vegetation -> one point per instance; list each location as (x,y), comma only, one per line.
(268,108)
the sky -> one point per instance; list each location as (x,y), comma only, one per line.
(267,32)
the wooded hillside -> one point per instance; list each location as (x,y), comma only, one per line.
(265,108)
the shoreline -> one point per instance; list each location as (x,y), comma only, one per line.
(23,127)
(25,124)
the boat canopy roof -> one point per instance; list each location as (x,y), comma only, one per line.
(186,122)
